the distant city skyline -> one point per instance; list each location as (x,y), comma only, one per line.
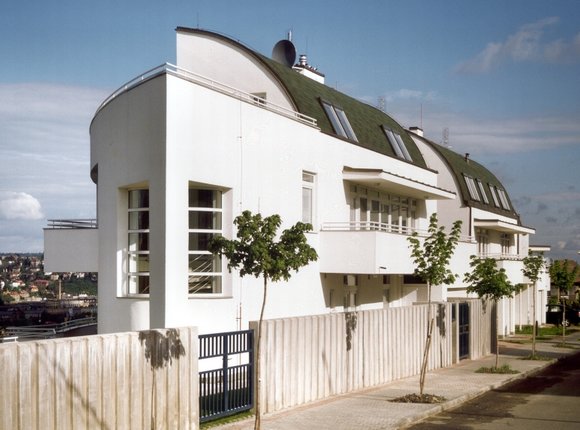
(501,77)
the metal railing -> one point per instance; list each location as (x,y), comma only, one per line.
(228,389)
(211,84)
(47,331)
(57,224)
(380,227)
(502,256)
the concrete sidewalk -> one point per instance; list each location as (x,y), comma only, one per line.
(371,409)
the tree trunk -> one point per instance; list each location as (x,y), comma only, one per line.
(257,422)
(534,321)
(427,342)
(496,336)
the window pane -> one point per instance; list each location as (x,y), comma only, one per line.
(403,147)
(345,124)
(205,198)
(138,199)
(199,241)
(204,263)
(338,129)
(307,177)
(138,241)
(200,284)
(205,220)
(138,263)
(139,220)
(307,205)
(139,284)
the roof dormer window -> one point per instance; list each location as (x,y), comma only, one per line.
(494,195)
(503,199)
(482,191)
(472,188)
(397,144)
(339,121)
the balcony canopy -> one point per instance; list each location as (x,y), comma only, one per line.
(393,183)
(498,225)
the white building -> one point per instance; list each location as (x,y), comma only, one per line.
(179,152)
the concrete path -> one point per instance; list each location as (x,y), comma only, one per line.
(371,409)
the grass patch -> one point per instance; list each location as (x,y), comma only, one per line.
(504,370)
(226,420)
(418,398)
(536,357)
(545,331)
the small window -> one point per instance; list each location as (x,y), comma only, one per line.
(494,195)
(482,191)
(412,279)
(470,182)
(397,144)
(308,197)
(339,121)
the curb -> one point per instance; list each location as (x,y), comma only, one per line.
(453,403)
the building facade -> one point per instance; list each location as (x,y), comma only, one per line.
(179,152)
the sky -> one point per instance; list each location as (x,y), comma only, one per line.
(503,77)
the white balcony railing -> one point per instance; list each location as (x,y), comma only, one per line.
(379,226)
(57,224)
(212,84)
(502,256)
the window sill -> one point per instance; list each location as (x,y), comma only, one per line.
(209,296)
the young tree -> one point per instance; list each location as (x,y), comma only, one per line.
(257,253)
(431,257)
(533,265)
(563,280)
(489,283)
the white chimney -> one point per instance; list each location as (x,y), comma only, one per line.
(307,70)
(417,130)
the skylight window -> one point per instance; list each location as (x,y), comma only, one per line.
(397,144)
(503,199)
(494,195)
(470,182)
(482,191)
(339,121)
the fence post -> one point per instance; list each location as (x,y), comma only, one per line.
(225,380)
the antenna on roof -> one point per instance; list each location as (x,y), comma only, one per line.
(382,104)
(446,137)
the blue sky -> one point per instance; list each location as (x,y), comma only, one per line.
(502,76)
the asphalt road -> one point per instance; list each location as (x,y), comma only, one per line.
(548,400)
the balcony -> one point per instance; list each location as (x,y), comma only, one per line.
(71,245)
(365,248)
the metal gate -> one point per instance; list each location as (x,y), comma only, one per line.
(463,330)
(226,390)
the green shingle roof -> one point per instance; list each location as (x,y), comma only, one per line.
(459,166)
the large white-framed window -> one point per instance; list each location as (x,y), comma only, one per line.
(505,240)
(373,209)
(138,276)
(308,197)
(482,236)
(205,221)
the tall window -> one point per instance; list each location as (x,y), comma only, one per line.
(308,184)
(205,221)
(503,199)
(494,195)
(138,242)
(482,191)
(482,242)
(505,243)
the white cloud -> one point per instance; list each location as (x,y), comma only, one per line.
(21,206)
(525,45)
